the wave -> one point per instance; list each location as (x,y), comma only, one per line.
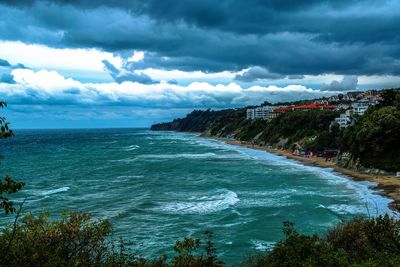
(208,155)
(64,149)
(370,199)
(224,199)
(127,160)
(342,209)
(263,245)
(126,178)
(131,147)
(55,191)
(183,155)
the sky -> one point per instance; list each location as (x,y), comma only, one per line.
(120,63)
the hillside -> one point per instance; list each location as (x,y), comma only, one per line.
(373,142)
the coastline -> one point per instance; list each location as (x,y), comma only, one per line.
(390,185)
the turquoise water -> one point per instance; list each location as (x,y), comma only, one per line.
(157,187)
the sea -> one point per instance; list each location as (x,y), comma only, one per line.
(158,187)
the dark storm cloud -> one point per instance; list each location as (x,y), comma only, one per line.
(72,91)
(295,77)
(20,66)
(126,75)
(4,63)
(285,37)
(5,71)
(173,82)
(7,78)
(257,73)
(348,83)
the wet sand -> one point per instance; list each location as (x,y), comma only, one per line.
(390,185)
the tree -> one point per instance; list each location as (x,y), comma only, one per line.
(7,185)
(375,138)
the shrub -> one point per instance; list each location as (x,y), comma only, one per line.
(359,242)
(78,240)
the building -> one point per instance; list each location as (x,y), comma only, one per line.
(270,112)
(359,108)
(321,102)
(345,119)
(343,106)
(251,113)
(263,112)
(304,107)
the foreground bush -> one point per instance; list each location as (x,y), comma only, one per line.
(77,240)
(359,242)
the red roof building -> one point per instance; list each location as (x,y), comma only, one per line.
(304,107)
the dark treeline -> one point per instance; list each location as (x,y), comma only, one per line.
(200,121)
(373,142)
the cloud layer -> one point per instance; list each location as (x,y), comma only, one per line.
(50,88)
(285,37)
(157,59)
(348,83)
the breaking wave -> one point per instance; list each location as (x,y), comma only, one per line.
(131,147)
(55,191)
(224,199)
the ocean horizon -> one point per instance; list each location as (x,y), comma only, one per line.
(158,187)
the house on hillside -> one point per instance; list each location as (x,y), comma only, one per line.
(304,107)
(343,106)
(345,119)
(359,108)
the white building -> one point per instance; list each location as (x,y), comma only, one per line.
(345,119)
(250,113)
(359,108)
(343,106)
(263,112)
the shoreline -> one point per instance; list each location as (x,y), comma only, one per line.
(389,185)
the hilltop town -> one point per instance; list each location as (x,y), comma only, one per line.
(352,105)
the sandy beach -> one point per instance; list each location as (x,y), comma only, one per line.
(390,185)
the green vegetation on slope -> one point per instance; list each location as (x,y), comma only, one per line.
(297,125)
(374,140)
(199,121)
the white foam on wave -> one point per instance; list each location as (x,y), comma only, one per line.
(263,245)
(346,209)
(55,191)
(222,200)
(183,155)
(268,202)
(127,160)
(208,155)
(129,176)
(131,147)
(174,136)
